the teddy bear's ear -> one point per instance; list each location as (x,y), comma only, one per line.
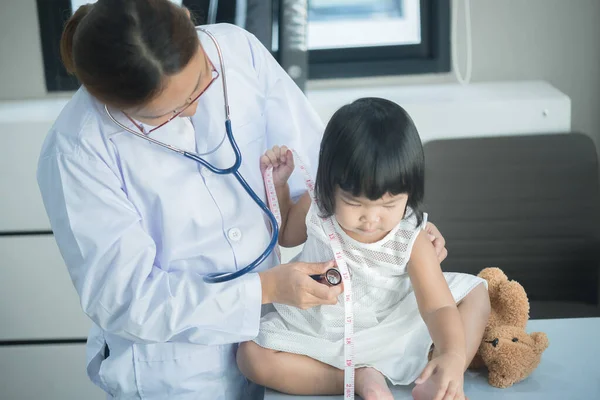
(493,275)
(541,341)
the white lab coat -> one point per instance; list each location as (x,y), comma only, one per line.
(139,226)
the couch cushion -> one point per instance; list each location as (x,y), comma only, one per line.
(529,205)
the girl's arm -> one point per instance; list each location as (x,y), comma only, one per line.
(292,231)
(436,304)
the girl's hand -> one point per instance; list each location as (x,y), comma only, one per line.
(282,160)
(442,379)
(438,241)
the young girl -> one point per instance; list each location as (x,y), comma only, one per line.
(407,323)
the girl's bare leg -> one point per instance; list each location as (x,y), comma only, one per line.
(288,373)
(301,375)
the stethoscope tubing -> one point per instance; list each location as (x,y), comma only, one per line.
(233,170)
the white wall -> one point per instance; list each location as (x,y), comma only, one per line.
(553,40)
(21,62)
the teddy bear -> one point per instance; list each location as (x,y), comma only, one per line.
(508,352)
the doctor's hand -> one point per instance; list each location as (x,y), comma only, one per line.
(291,284)
(438,241)
(282,161)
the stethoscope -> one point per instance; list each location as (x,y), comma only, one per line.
(234,170)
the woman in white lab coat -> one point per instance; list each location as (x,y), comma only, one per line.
(139,226)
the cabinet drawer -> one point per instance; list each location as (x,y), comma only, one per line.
(37,298)
(46,372)
(21,207)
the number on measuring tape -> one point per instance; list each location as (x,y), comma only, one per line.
(336,247)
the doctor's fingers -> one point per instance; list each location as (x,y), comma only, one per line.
(324,294)
(315,268)
(310,301)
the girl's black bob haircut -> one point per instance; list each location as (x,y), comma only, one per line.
(370,147)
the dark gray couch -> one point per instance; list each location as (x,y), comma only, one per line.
(529,205)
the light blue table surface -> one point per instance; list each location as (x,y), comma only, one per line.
(570,368)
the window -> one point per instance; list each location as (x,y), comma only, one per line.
(52,15)
(75,4)
(350,38)
(364,23)
(345,38)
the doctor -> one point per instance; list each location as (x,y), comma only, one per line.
(139,226)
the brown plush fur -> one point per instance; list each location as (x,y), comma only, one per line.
(507,351)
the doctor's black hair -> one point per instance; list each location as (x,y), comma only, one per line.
(122,50)
(371,147)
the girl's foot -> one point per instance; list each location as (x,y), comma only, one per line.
(371,385)
(425,391)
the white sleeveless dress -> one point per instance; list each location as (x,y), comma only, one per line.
(390,334)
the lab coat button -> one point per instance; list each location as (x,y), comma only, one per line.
(234,234)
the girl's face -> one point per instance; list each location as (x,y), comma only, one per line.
(368,221)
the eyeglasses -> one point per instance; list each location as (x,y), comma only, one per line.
(176,113)
(233,170)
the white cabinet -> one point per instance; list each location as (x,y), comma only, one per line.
(51,372)
(451,111)
(23,127)
(21,207)
(37,298)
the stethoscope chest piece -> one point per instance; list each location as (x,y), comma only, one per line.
(333,277)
